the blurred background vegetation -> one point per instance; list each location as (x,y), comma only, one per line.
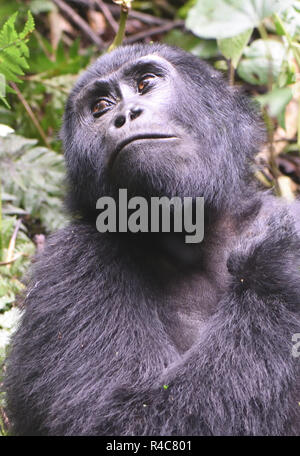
(45,44)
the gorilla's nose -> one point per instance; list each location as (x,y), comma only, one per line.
(132,114)
(120,121)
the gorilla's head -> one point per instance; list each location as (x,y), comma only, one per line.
(157,121)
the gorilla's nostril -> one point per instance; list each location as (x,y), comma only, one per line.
(120,121)
(134,113)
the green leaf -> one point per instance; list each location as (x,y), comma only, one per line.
(280,30)
(4,101)
(221,65)
(232,48)
(183,11)
(41,6)
(291,20)
(29,26)
(13,50)
(205,49)
(262,60)
(228,18)
(275,102)
(287,74)
(34,175)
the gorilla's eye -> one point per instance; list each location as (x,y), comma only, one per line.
(144,82)
(100,107)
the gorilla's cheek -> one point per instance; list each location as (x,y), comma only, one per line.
(159,164)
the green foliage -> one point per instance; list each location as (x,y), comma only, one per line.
(275,102)
(227,18)
(46,89)
(291,20)
(9,7)
(31,184)
(41,6)
(261,61)
(10,287)
(268,61)
(33,175)
(11,275)
(14,51)
(56,62)
(184,10)
(232,48)
(205,49)
(2,394)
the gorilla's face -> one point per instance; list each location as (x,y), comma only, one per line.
(132,116)
(148,149)
(154,120)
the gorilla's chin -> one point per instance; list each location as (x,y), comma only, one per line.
(154,167)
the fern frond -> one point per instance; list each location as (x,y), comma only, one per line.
(14,51)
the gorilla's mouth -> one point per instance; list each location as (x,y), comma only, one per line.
(150,136)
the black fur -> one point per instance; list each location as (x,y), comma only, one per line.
(144,335)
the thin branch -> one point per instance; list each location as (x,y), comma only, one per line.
(121,29)
(12,242)
(30,113)
(230,73)
(81,23)
(154,31)
(272,159)
(284,139)
(143,17)
(5,263)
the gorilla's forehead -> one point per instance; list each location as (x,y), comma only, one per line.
(148,59)
(151,63)
(111,62)
(123,58)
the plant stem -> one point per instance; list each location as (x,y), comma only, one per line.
(121,32)
(12,244)
(264,35)
(270,130)
(231,73)
(268,120)
(30,113)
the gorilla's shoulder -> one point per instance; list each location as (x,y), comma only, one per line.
(73,233)
(77,249)
(277,209)
(266,257)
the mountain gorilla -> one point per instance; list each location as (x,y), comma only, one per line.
(144,334)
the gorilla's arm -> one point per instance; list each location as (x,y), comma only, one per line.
(240,376)
(87,328)
(91,354)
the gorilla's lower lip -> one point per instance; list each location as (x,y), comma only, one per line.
(137,138)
